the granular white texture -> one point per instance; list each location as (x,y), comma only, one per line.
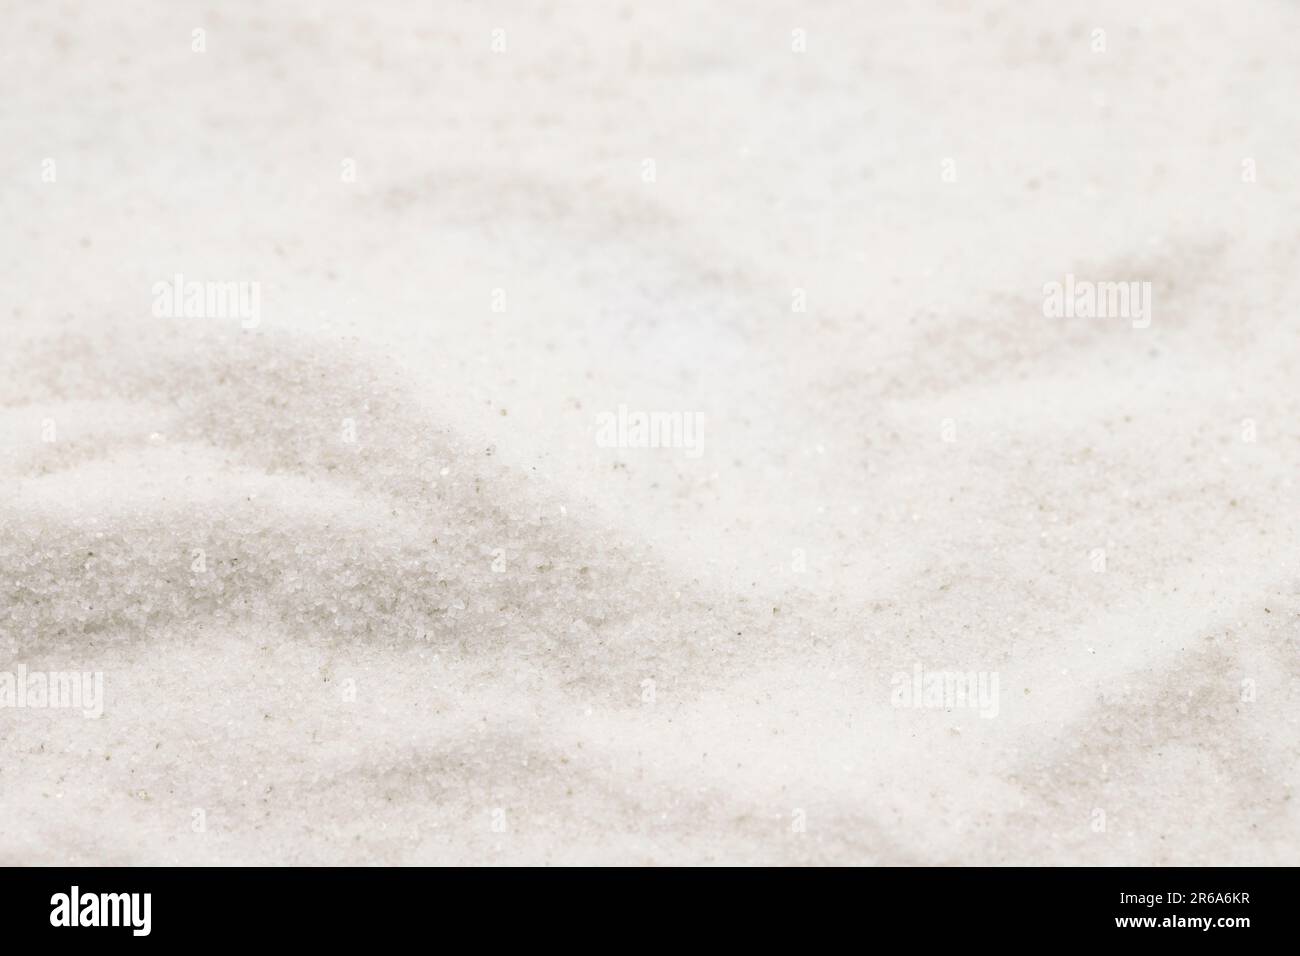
(364,577)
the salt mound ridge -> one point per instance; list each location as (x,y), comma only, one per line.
(273,480)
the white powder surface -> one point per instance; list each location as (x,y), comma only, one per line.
(367,584)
